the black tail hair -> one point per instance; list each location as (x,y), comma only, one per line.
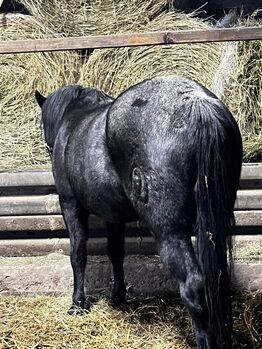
(219,158)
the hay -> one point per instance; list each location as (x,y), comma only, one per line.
(151,323)
(248,320)
(42,322)
(21,145)
(77,17)
(244,94)
(114,70)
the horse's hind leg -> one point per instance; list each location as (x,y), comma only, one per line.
(76,222)
(179,258)
(116,253)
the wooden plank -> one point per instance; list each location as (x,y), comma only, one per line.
(131,39)
(249,200)
(249,218)
(29,205)
(251,176)
(28,178)
(42,181)
(55,222)
(95,246)
(251,170)
(29,223)
(49,204)
(27,182)
(98,246)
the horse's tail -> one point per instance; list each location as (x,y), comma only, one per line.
(219,156)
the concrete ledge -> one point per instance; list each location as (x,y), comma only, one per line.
(52,275)
(43,267)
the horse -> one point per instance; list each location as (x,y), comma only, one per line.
(166,152)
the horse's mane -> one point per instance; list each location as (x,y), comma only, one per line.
(58,102)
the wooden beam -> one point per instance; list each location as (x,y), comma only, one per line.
(29,205)
(249,200)
(251,218)
(98,246)
(42,181)
(32,182)
(28,178)
(251,176)
(131,39)
(49,204)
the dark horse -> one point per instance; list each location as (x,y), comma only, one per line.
(166,152)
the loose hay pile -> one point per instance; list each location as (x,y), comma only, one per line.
(112,70)
(21,145)
(42,322)
(244,94)
(77,17)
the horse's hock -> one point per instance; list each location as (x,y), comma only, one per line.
(35,248)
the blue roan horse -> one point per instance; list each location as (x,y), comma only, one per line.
(166,152)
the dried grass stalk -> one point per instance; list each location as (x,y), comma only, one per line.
(253,318)
(42,322)
(247,313)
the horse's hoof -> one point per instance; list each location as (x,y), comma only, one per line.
(118,302)
(79,309)
(118,297)
(75,310)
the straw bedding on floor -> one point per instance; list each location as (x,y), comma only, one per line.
(150,323)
